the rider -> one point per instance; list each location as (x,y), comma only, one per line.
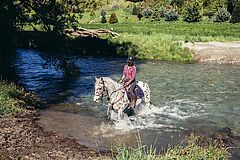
(129,80)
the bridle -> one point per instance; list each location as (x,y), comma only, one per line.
(105,90)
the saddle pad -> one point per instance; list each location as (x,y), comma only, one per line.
(140,92)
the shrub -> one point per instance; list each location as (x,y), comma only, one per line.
(236,14)
(103,13)
(92,14)
(156,16)
(230,6)
(135,10)
(128,9)
(103,20)
(113,18)
(192,13)
(208,13)
(222,15)
(140,16)
(171,15)
(115,7)
(162,11)
(147,12)
(14,100)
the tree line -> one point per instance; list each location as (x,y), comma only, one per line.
(190,10)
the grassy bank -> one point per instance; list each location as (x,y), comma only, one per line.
(162,40)
(191,151)
(14,100)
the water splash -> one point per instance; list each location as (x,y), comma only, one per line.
(162,117)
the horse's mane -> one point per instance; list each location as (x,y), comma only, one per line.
(110,80)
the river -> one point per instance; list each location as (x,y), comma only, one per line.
(187,97)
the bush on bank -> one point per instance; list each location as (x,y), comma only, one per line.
(14,100)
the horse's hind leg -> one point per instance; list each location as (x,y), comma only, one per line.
(147,96)
(109,112)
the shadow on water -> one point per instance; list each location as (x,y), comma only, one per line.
(59,77)
(63,65)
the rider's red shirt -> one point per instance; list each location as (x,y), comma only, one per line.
(129,72)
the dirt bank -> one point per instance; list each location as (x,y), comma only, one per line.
(21,138)
(215,52)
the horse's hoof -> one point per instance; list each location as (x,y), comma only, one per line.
(108,118)
(129,111)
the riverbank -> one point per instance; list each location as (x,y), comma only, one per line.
(21,138)
(215,52)
(147,40)
(163,40)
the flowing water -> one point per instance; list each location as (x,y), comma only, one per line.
(186,97)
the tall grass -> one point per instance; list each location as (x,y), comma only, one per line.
(11,99)
(158,47)
(202,31)
(192,151)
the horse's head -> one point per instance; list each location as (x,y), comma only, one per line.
(100,89)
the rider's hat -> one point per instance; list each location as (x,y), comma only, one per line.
(131,59)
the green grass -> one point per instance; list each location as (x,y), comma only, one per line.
(192,151)
(11,99)
(162,40)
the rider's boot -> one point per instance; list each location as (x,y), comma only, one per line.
(133,101)
(134,98)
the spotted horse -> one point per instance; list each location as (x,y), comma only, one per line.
(117,95)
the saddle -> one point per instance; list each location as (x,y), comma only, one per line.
(139,94)
(138,91)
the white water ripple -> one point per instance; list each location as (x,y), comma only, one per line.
(167,117)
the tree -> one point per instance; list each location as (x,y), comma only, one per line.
(236,14)
(113,18)
(135,10)
(8,25)
(140,16)
(222,15)
(50,15)
(135,1)
(230,6)
(162,11)
(103,13)
(155,16)
(178,3)
(192,13)
(171,15)
(147,12)
(103,20)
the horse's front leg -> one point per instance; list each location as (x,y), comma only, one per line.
(109,111)
(120,113)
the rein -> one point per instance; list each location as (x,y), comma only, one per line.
(109,95)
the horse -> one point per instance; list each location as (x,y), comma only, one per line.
(117,96)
